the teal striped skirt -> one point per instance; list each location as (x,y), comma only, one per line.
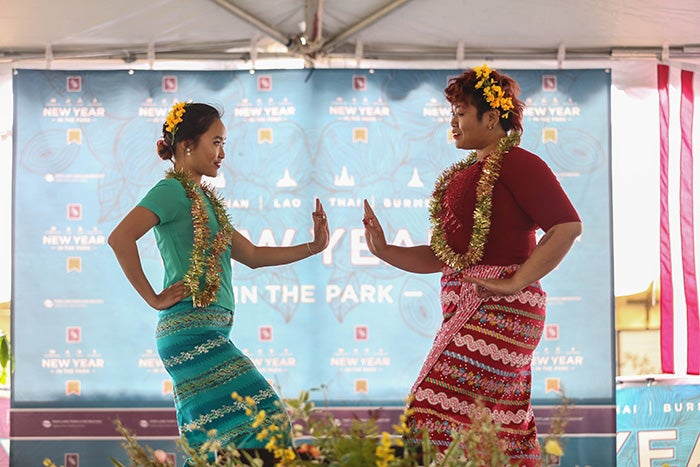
(206,368)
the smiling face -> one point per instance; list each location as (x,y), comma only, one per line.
(468,130)
(205,154)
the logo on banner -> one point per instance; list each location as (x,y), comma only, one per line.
(72,363)
(166,387)
(74,135)
(155,111)
(550,135)
(344,179)
(361,386)
(69,112)
(264,83)
(265,135)
(71,459)
(549,83)
(360,135)
(265,334)
(551,385)
(285,182)
(358,361)
(551,111)
(270,361)
(361,333)
(437,111)
(74,264)
(551,332)
(72,387)
(149,361)
(415,181)
(74,83)
(74,211)
(68,240)
(359,83)
(169,84)
(73,334)
(359,110)
(267,110)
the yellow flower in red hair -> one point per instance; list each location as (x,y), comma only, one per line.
(174,118)
(482,72)
(493,93)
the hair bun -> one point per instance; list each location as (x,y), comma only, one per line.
(164,150)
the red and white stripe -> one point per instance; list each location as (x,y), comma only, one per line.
(680,351)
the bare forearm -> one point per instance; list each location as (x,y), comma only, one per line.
(130,262)
(419,259)
(262,256)
(548,253)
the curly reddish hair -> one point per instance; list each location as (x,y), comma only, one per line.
(462,89)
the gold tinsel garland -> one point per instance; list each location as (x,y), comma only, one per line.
(206,254)
(482,209)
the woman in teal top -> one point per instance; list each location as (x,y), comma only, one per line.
(197,242)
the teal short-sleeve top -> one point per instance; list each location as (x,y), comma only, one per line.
(174,235)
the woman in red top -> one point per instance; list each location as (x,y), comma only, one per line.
(485,211)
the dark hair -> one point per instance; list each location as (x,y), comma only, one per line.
(462,89)
(195,122)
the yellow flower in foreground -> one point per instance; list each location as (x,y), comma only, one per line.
(552,447)
(385,453)
(259,419)
(289,454)
(271,445)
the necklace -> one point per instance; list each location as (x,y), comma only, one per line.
(482,209)
(206,251)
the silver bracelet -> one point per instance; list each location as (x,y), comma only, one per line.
(308,247)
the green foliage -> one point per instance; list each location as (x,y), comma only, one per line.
(360,444)
(4,358)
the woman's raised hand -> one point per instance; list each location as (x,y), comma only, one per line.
(321,231)
(376,240)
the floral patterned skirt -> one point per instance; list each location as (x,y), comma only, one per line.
(206,368)
(481,361)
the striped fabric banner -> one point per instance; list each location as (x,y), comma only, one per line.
(674,313)
(666,282)
(687,225)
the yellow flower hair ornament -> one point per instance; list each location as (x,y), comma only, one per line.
(493,93)
(174,118)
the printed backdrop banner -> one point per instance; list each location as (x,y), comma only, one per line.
(658,422)
(341,321)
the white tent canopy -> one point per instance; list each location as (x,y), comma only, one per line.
(329,33)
